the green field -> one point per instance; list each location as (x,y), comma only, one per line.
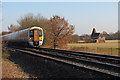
(108,48)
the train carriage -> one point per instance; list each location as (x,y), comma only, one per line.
(32,36)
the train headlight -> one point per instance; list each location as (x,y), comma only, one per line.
(40,38)
(31,38)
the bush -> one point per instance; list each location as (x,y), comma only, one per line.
(88,39)
(5,53)
(74,38)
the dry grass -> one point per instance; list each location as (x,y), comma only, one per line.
(11,70)
(108,44)
(109,48)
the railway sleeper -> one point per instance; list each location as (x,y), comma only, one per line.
(110,67)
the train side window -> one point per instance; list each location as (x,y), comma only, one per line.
(31,33)
(40,32)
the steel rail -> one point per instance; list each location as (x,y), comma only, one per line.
(105,58)
(100,65)
(109,56)
(84,61)
(77,65)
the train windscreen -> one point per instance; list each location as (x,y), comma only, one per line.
(40,32)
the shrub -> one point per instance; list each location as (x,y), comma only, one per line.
(5,53)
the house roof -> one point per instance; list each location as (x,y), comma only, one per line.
(94,31)
(95,35)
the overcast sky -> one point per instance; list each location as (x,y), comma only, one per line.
(83,15)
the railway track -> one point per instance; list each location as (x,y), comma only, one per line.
(99,57)
(94,62)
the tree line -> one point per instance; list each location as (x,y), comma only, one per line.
(111,36)
(108,36)
(57,31)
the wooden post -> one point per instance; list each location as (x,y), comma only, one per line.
(118,51)
(97,49)
(111,51)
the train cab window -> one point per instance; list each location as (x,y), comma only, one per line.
(31,33)
(40,32)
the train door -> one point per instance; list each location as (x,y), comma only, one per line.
(36,37)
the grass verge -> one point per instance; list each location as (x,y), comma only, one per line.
(109,48)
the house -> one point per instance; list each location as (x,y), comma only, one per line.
(97,37)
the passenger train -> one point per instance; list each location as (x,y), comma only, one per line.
(32,36)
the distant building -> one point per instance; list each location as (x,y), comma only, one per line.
(97,37)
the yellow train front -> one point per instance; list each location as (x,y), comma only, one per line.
(35,36)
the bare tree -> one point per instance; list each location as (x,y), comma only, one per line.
(60,31)
(31,20)
(12,28)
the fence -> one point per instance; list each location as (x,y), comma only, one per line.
(100,50)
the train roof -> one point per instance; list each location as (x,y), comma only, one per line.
(35,27)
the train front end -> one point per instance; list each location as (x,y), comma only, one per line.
(35,36)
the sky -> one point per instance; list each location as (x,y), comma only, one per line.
(83,15)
